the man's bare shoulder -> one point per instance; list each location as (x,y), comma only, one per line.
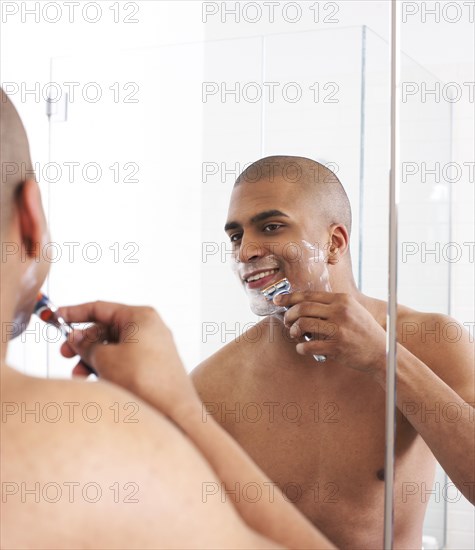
(39,402)
(67,424)
(428,331)
(443,344)
(103,458)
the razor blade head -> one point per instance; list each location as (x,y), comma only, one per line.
(42,303)
(280,287)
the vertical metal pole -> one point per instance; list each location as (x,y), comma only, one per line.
(362,158)
(48,203)
(263,105)
(391,343)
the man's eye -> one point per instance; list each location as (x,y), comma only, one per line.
(236,237)
(272,227)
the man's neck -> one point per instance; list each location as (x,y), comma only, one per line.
(4,322)
(345,283)
(7,314)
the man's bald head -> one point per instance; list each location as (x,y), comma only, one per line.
(324,187)
(15,162)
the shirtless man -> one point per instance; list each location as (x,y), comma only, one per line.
(91,465)
(318,429)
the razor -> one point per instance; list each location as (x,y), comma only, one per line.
(48,313)
(284,287)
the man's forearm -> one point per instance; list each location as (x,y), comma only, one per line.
(439,415)
(271,515)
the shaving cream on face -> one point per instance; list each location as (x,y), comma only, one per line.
(317,268)
(305,267)
(261,306)
(258,303)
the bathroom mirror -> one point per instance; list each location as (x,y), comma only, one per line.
(144,137)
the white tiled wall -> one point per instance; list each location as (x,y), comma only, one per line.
(461,514)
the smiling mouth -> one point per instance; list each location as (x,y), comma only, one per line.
(263,278)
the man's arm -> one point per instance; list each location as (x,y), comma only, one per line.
(152,370)
(436,393)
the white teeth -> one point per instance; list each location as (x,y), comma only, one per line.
(260,275)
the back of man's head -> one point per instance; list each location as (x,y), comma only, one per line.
(15,162)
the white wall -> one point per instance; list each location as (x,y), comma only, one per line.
(152,220)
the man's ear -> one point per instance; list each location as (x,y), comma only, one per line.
(339,243)
(31,217)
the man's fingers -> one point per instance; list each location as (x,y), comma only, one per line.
(81,370)
(90,350)
(314,347)
(306,309)
(79,344)
(95,312)
(318,329)
(288,300)
(82,342)
(110,321)
(66,350)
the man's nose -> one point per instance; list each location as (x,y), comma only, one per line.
(250,250)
